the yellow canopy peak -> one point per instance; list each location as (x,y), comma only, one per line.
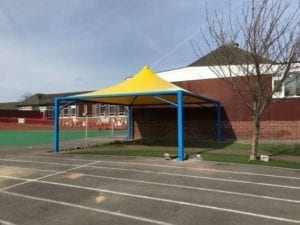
(145,81)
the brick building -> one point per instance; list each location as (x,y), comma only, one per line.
(280,121)
(38,109)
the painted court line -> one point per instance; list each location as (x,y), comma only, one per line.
(40,162)
(174,185)
(162,184)
(199,177)
(203,169)
(167,201)
(143,219)
(162,173)
(3,222)
(62,157)
(194,188)
(27,168)
(49,175)
(178,167)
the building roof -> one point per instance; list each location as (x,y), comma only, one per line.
(9,105)
(40,99)
(229,54)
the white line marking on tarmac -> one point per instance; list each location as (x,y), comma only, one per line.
(203,169)
(49,175)
(178,167)
(143,219)
(39,162)
(198,177)
(162,173)
(62,157)
(3,222)
(178,186)
(195,188)
(168,201)
(27,168)
(163,184)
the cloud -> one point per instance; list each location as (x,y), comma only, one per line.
(74,45)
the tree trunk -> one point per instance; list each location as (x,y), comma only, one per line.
(255,137)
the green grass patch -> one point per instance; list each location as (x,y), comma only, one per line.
(119,148)
(274,149)
(209,145)
(24,138)
(217,157)
(281,149)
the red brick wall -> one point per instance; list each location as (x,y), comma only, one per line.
(20,113)
(270,130)
(287,109)
(200,124)
(161,123)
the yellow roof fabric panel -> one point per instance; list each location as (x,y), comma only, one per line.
(139,90)
(145,81)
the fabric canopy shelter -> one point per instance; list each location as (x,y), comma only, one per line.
(145,88)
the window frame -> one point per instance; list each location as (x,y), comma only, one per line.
(73,111)
(112,110)
(49,113)
(102,109)
(292,84)
(122,110)
(65,112)
(282,93)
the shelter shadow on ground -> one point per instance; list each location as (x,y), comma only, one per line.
(159,124)
(145,88)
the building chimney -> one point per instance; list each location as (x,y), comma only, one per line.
(235,44)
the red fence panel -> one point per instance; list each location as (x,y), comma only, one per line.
(25,120)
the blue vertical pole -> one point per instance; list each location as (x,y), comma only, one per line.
(56,126)
(219,122)
(180,126)
(129,123)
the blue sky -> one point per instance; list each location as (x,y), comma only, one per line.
(49,46)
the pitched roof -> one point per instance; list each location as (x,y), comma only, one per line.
(9,105)
(40,99)
(225,55)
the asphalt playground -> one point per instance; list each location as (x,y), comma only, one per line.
(39,187)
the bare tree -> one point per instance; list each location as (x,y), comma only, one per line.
(268,34)
(24,96)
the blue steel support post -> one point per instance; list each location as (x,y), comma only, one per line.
(129,123)
(56,126)
(219,122)
(180,126)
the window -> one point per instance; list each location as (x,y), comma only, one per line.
(277,86)
(101,110)
(111,110)
(121,110)
(73,112)
(65,112)
(289,88)
(49,113)
(292,85)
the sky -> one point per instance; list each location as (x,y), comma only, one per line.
(54,46)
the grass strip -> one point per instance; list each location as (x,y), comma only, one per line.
(271,148)
(218,157)
(207,156)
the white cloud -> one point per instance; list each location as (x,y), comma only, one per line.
(73,45)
